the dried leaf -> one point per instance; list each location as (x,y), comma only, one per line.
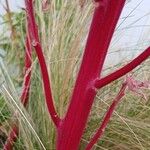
(45,5)
(82,3)
(136,86)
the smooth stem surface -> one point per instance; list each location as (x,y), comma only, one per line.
(107,117)
(44,71)
(99,83)
(34,38)
(12,137)
(104,21)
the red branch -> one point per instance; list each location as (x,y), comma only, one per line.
(107,117)
(12,137)
(27,76)
(99,83)
(104,21)
(33,32)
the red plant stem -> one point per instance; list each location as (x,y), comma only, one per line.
(33,32)
(107,117)
(11,138)
(48,97)
(24,96)
(99,83)
(27,76)
(105,18)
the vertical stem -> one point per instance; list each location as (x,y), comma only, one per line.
(34,39)
(102,28)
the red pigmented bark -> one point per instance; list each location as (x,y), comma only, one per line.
(48,95)
(102,28)
(107,117)
(33,33)
(12,137)
(99,83)
(130,84)
(27,76)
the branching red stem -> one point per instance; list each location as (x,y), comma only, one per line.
(33,32)
(107,117)
(71,128)
(99,83)
(102,28)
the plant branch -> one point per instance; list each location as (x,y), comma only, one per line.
(104,21)
(34,37)
(27,74)
(107,117)
(11,138)
(99,83)
(46,82)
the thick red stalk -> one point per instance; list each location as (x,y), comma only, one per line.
(24,95)
(107,117)
(102,28)
(33,31)
(99,83)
